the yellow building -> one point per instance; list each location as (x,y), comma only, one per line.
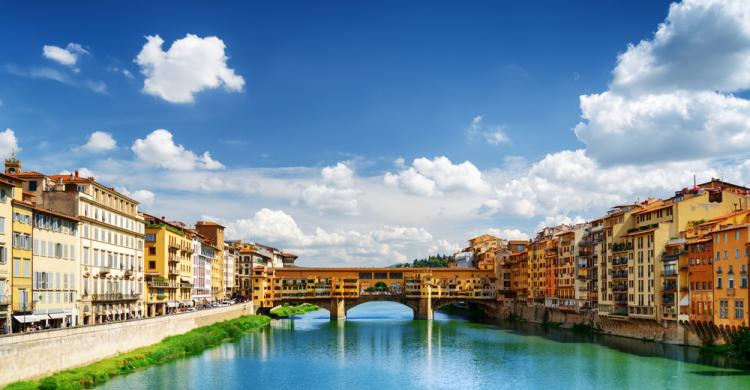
(23,302)
(8,186)
(169,266)
(55,264)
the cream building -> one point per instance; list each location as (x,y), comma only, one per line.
(55,263)
(111,280)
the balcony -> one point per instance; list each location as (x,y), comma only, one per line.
(669,288)
(617,261)
(670,258)
(622,274)
(174,259)
(174,271)
(669,272)
(160,284)
(110,297)
(186,285)
(4,300)
(622,247)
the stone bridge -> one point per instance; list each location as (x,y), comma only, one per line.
(339,289)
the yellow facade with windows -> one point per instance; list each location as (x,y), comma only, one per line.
(23,303)
(169,266)
(7,186)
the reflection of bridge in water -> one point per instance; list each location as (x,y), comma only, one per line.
(339,289)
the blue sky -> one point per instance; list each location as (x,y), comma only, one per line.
(376,132)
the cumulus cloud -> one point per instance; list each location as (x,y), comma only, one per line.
(145,198)
(65,56)
(334,191)
(378,247)
(98,142)
(435,177)
(192,64)
(8,143)
(493,135)
(670,98)
(508,233)
(159,149)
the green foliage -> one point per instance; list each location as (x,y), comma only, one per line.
(513,317)
(381,286)
(739,344)
(169,349)
(288,311)
(434,261)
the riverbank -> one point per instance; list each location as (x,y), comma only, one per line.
(288,311)
(169,349)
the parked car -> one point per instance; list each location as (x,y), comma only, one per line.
(191,309)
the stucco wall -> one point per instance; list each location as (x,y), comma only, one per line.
(31,355)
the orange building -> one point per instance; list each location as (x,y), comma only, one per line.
(700,278)
(730,247)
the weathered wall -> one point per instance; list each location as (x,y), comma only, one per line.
(32,355)
(670,332)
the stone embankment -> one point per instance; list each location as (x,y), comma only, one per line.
(33,355)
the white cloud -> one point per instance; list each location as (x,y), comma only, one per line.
(334,192)
(8,143)
(508,233)
(670,98)
(127,74)
(145,198)
(98,142)
(493,135)
(192,64)
(66,56)
(159,149)
(438,176)
(377,247)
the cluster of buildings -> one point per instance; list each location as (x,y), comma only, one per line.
(75,252)
(684,258)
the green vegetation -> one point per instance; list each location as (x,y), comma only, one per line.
(514,318)
(287,310)
(739,344)
(169,349)
(435,261)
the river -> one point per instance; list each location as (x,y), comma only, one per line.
(379,346)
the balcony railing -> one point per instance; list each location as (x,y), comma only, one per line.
(160,284)
(669,272)
(114,297)
(4,300)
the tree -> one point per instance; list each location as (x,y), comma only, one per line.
(380,286)
(739,344)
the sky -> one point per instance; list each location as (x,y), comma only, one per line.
(370,134)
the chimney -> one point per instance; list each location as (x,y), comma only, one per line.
(76,173)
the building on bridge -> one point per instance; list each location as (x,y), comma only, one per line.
(338,289)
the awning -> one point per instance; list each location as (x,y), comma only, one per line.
(57,316)
(29,318)
(186,279)
(685,301)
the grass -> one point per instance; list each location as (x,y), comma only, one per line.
(288,311)
(169,349)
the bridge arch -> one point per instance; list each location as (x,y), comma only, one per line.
(352,303)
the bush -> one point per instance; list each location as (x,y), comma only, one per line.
(739,344)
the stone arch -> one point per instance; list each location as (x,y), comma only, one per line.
(487,306)
(411,304)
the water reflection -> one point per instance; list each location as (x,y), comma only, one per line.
(380,346)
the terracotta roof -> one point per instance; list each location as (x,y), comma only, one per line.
(56,213)
(732,227)
(72,178)
(207,223)
(27,174)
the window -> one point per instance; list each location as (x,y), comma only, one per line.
(85,255)
(152,250)
(17,267)
(736,235)
(723,308)
(739,309)
(2,224)
(32,185)
(737,253)
(151,264)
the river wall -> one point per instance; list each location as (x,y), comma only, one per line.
(33,355)
(670,332)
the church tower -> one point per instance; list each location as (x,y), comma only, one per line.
(12,165)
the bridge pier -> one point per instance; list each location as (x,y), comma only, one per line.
(338,309)
(424,310)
